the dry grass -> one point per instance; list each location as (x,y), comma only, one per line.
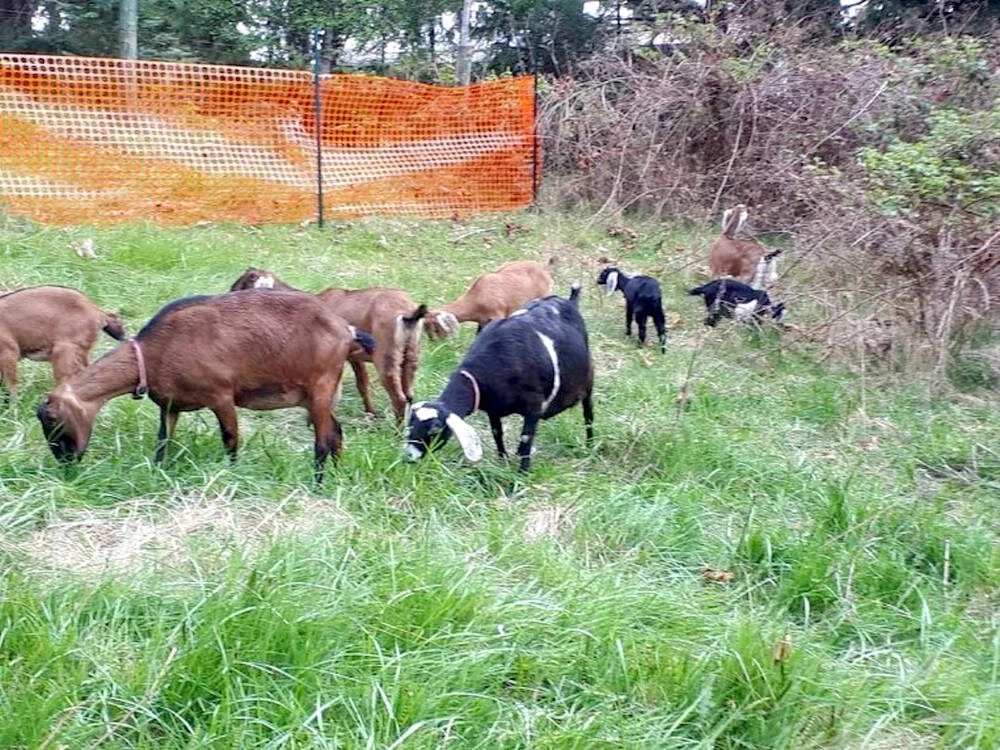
(143,534)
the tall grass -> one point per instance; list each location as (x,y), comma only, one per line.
(787,556)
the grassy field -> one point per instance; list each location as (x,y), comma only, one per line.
(790,555)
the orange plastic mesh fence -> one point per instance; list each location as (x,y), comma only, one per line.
(85,140)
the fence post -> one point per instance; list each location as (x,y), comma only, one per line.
(534,139)
(318,125)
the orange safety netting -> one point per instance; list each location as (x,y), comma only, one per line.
(85,140)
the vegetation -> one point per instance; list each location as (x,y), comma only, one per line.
(761,551)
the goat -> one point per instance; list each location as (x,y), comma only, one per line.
(643,299)
(745,260)
(53,324)
(389,315)
(728,298)
(535,363)
(491,296)
(250,349)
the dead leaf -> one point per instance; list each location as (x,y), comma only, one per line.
(781,651)
(647,359)
(717,576)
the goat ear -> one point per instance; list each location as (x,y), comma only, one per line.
(611,284)
(466,436)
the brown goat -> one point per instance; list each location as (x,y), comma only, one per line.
(492,295)
(745,260)
(389,315)
(50,324)
(251,349)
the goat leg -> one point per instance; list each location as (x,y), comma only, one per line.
(168,421)
(8,374)
(67,360)
(527,436)
(328,435)
(497,429)
(641,322)
(629,313)
(361,380)
(660,322)
(226,414)
(588,417)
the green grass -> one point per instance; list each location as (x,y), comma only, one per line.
(203,604)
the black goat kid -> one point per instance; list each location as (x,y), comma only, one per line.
(643,299)
(535,363)
(728,298)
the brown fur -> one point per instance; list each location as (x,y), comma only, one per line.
(492,295)
(731,256)
(392,319)
(50,324)
(254,349)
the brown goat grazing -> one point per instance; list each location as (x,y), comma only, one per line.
(389,315)
(258,278)
(50,324)
(251,349)
(492,295)
(745,260)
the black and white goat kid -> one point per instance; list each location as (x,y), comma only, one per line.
(643,299)
(729,298)
(535,363)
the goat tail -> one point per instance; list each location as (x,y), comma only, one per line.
(363,339)
(574,294)
(772,255)
(698,291)
(418,314)
(113,326)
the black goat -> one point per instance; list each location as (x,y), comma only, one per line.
(643,299)
(728,298)
(535,363)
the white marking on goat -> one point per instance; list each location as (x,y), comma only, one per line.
(353,331)
(264,282)
(413,452)
(551,349)
(425,413)
(745,310)
(514,314)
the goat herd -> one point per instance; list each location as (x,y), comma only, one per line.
(266,345)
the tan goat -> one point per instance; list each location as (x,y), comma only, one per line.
(389,315)
(251,349)
(745,260)
(50,324)
(492,295)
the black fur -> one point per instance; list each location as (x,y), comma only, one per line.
(167,310)
(723,295)
(366,341)
(513,370)
(420,312)
(643,300)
